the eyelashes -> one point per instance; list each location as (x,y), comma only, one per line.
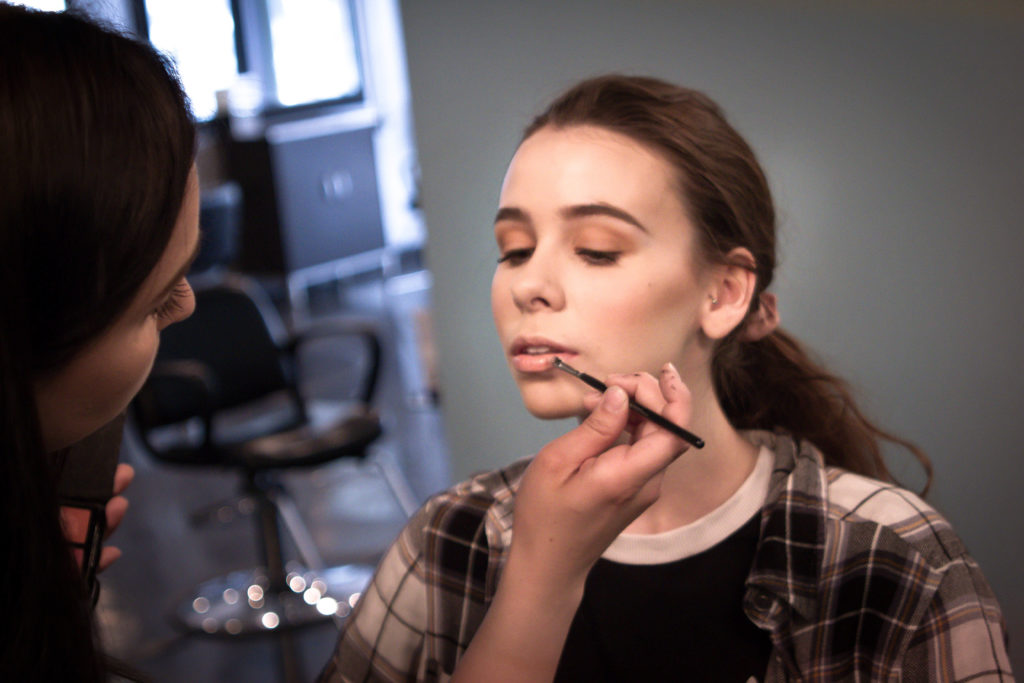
(597,257)
(174,302)
(515,257)
(594,257)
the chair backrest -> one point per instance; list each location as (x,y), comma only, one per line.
(230,335)
(220,214)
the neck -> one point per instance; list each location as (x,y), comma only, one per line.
(700,480)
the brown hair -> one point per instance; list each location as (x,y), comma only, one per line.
(96,142)
(771,383)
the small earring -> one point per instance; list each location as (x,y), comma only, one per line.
(714,299)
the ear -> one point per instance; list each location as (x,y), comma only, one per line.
(730,289)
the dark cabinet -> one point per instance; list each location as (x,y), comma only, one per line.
(310,197)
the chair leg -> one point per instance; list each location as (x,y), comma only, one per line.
(398,484)
(273,555)
(269,535)
(271,598)
(344,583)
(297,528)
(291,664)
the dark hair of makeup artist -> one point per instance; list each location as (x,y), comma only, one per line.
(771,383)
(96,144)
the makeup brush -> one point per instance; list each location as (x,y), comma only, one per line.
(643,411)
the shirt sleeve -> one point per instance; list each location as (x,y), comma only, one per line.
(962,636)
(431,590)
(383,638)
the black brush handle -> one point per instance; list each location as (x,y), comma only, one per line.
(647,413)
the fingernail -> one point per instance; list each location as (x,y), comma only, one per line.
(614,399)
(671,377)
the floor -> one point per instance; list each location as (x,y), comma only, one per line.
(352,513)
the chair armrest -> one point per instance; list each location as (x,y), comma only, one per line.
(363,328)
(175,391)
(289,341)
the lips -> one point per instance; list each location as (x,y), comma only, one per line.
(534,354)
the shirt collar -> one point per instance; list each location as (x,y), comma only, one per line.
(790,554)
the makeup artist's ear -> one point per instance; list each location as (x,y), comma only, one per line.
(730,288)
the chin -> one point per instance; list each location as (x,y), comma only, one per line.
(546,404)
(552,413)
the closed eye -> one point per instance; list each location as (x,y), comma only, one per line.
(599,258)
(515,257)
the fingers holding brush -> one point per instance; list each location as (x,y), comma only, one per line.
(117,508)
(654,403)
(75,520)
(671,377)
(653,447)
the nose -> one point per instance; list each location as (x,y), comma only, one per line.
(536,285)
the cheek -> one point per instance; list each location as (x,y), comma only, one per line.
(104,382)
(92,389)
(634,298)
(648,320)
(501,299)
(136,365)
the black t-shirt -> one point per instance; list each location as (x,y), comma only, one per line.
(678,621)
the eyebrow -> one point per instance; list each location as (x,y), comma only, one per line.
(511,213)
(181,271)
(584,210)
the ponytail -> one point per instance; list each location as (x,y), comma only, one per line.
(773,383)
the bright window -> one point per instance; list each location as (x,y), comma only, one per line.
(296,52)
(46,5)
(314,51)
(200,36)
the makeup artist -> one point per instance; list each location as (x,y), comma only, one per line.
(98,224)
(637,235)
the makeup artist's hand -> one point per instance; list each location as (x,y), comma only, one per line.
(583,488)
(76,520)
(577,495)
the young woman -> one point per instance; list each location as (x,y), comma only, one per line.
(98,224)
(637,235)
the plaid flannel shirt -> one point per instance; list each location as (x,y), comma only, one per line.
(853,578)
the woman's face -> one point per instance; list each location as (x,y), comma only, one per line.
(597,265)
(100,381)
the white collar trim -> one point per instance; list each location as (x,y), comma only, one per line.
(704,533)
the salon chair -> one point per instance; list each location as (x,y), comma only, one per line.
(224,393)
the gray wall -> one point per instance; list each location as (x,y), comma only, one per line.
(894,140)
